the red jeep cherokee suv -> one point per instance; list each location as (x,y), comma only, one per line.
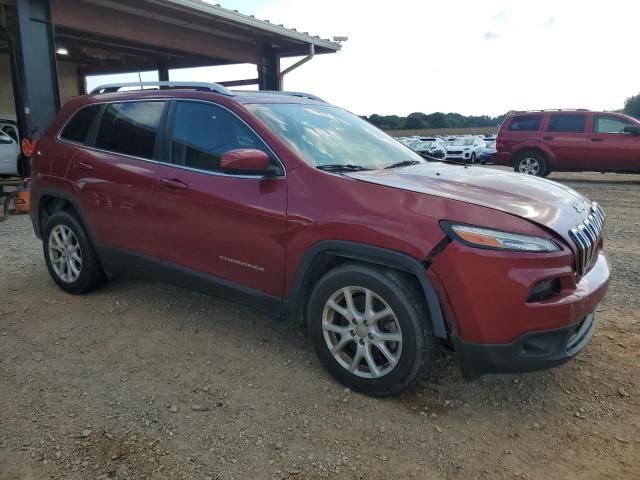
(537,142)
(305,211)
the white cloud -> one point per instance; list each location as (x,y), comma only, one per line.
(411,55)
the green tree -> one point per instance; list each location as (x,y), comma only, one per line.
(632,106)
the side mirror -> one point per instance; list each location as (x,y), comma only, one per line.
(247,160)
(632,130)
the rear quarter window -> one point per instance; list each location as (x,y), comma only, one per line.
(130,128)
(77,129)
(525,123)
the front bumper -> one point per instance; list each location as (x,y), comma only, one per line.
(529,352)
(458,156)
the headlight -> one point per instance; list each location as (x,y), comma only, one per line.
(497,240)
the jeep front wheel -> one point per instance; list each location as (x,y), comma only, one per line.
(369,328)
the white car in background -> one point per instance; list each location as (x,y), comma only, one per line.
(466,149)
(9,155)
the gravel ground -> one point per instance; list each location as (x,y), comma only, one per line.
(142,380)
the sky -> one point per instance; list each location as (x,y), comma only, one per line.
(468,56)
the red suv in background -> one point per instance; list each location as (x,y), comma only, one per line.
(538,142)
(305,211)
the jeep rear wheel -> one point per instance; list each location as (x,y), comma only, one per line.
(531,163)
(369,328)
(70,257)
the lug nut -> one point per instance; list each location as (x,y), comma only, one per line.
(370,336)
(362,341)
(353,333)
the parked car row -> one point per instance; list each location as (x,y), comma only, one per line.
(464,148)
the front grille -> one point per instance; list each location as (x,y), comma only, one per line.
(454,152)
(587,236)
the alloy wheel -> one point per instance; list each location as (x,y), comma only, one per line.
(530,166)
(362,332)
(65,254)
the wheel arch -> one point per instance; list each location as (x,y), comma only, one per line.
(326,254)
(51,200)
(539,148)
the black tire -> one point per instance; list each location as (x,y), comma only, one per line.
(531,162)
(410,309)
(473,158)
(91,275)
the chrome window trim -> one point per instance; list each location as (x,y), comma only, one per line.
(159,162)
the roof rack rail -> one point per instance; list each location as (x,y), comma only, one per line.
(207,87)
(553,110)
(291,94)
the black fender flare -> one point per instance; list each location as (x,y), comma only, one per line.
(64,195)
(369,254)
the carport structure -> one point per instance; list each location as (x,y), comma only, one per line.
(51,45)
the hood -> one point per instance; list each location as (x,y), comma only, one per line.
(459,147)
(542,201)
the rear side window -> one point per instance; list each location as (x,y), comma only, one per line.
(525,123)
(78,127)
(604,124)
(566,123)
(130,128)
(203,132)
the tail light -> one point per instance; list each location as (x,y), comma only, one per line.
(28,147)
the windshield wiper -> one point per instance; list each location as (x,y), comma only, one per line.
(339,167)
(404,163)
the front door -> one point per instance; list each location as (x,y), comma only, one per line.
(610,148)
(226,225)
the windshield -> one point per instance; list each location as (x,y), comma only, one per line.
(326,135)
(462,141)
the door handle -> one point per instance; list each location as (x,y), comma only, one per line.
(597,140)
(173,183)
(83,166)
(547,138)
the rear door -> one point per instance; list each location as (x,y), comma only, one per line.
(609,147)
(113,175)
(227,225)
(565,134)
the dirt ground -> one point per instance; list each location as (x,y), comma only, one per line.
(142,380)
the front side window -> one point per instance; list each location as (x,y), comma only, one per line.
(5,139)
(525,123)
(78,127)
(324,135)
(11,131)
(566,123)
(203,133)
(130,128)
(606,124)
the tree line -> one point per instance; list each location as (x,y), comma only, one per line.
(419,120)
